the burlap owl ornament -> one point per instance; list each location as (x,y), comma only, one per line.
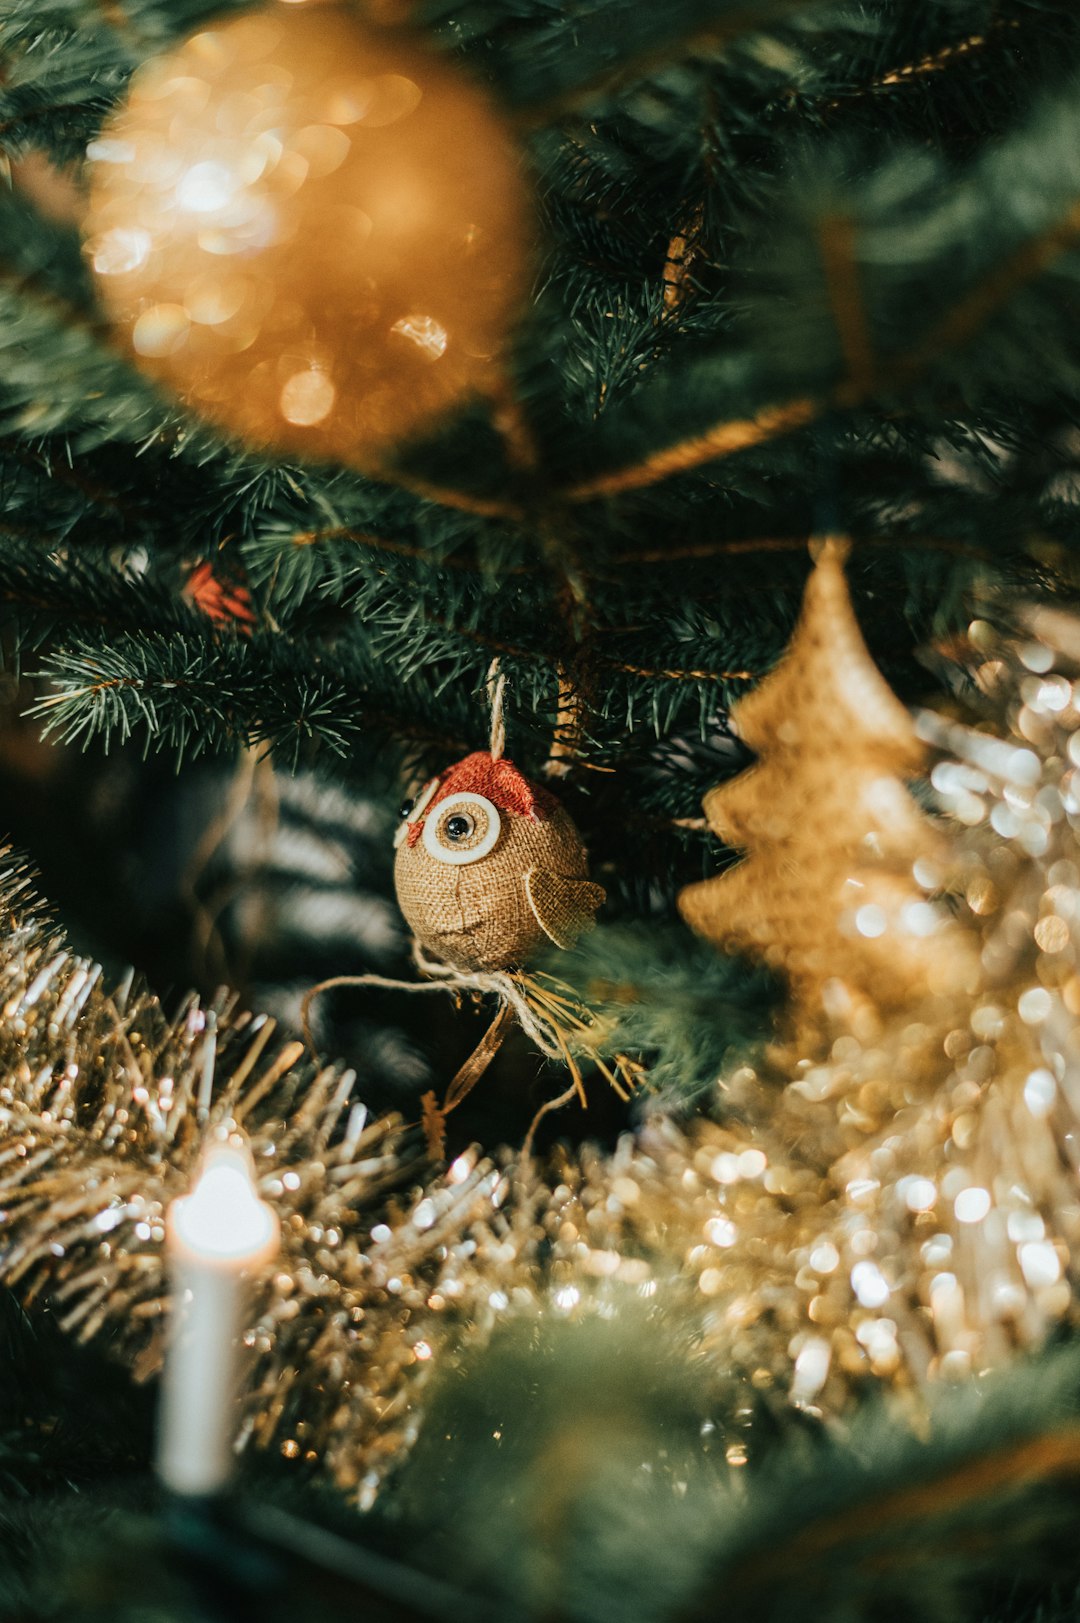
(490,867)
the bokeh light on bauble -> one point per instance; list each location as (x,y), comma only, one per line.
(314,232)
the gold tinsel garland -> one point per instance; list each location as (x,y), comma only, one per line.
(105,1109)
(889,1198)
(892,1197)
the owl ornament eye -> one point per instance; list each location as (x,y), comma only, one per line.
(462,829)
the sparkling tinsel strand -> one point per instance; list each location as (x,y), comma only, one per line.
(104,1113)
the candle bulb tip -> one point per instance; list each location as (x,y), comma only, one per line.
(223,1218)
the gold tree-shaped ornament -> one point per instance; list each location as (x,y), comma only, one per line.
(837,888)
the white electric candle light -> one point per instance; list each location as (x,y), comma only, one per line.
(215,1235)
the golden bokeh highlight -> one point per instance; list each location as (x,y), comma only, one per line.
(314,232)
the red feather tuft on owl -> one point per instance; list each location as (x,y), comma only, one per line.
(498,781)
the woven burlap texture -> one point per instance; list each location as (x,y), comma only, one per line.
(478,915)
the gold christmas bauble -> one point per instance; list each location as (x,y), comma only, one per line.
(314,232)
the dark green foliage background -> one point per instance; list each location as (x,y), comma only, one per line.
(877,333)
(937,446)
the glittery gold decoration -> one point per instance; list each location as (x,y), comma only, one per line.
(837,890)
(896,1204)
(105,1108)
(882,1204)
(314,231)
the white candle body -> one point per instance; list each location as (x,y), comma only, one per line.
(215,1236)
(198,1400)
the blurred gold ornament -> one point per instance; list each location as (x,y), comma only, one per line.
(837,891)
(316,233)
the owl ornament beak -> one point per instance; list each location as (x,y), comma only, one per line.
(411,826)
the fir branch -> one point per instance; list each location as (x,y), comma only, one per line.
(723,439)
(935,62)
(837,245)
(989,1494)
(1028,1462)
(980,303)
(462,501)
(618,45)
(400,549)
(43,589)
(46,337)
(58,465)
(252,691)
(681,676)
(962,260)
(856,1524)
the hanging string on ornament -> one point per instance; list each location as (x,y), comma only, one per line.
(314,231)
(495,682)
(490,869)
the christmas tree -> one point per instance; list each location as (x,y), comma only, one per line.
(853,839)
(549,422)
